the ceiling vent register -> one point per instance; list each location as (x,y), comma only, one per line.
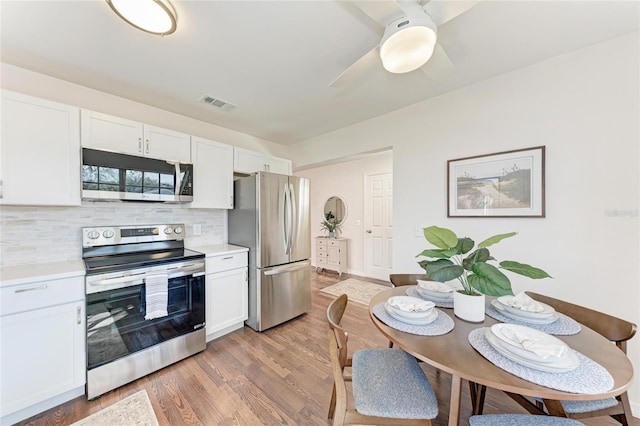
(218,103)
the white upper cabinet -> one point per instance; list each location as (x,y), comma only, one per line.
(213,174)
(39,152)
(106,132)
(246,161)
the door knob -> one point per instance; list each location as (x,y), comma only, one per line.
(368,231)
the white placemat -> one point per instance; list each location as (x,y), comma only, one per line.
(588,378)
(563,326)
(411,291)
(441,325)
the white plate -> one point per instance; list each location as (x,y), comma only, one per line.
(499,330)
(542,321)
(409,300)
(546,313)
(447,292)
(441,297)
(572,361)
(428,320)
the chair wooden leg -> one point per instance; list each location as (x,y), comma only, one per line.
(332,404)
(626,406)
(555,408)
(528,405)
(478,393)
(390,344)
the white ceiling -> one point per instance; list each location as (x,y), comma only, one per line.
(275,59)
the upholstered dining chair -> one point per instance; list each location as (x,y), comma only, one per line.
(388,385)
(520,420)
(614,329)
(398,280)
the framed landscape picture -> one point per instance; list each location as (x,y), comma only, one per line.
(504,184)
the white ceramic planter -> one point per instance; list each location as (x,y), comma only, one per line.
(468,307)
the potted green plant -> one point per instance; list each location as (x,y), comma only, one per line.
(330,224)
(454,258)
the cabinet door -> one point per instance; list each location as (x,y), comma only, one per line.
(42,353)
(333,255)
(102,131)
(212,174)
(246,161)
(39,152)
(227,299)
(166,144)
(279,165)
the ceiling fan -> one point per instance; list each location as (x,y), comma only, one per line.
(409,40)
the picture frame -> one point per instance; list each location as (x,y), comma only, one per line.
(502,184)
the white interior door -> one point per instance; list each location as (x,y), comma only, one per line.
(378,221)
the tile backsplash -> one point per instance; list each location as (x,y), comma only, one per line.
(52,234)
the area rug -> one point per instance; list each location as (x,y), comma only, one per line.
(357,291)
(134,410)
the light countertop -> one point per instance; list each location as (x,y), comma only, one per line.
(25,274)
(218,249)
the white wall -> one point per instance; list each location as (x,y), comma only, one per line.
(345,180)
(584,107)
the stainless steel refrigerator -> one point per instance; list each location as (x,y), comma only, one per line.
(271,218)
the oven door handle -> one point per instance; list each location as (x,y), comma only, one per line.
(119,280)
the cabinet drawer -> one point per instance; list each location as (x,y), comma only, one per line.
(226,262)
(322,261)
(322,242)
(333,243)
(40,294)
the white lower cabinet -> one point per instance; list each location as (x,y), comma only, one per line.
(227,293)
(42,352)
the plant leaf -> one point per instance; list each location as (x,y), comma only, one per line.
(524,269)
(495,239)
(441,254)
(464,245)
(440,237)
(441,270)
(488,279)
(478,256)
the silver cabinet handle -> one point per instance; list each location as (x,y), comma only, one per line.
(139,144)
(78,315)
(23,290)
(368,231)
(147,145)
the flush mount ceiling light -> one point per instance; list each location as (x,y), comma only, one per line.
(152,16)
(408,43)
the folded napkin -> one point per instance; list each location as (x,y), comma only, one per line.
(527,342)
(435,286)
(524,302)
(157,296)
(422,306)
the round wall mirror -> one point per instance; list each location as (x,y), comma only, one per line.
(335,208)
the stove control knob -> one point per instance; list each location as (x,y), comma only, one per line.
(93,235)
(178,230)
(108,233)
(168,230)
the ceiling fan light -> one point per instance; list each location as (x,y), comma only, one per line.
(407,44)
(152,16)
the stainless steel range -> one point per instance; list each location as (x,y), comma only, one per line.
(145,296)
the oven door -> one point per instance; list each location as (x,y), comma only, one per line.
(115,318)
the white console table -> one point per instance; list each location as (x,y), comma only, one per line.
(331,253)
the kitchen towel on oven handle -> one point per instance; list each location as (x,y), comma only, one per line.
(157,296)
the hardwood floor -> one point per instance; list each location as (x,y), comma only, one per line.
(280,376)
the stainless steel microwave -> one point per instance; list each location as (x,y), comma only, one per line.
(111,176)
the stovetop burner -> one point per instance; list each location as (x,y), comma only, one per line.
(110,249)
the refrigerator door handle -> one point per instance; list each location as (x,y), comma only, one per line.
(278,271)
(293,231)
(287,219)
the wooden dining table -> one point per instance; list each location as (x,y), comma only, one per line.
(452,353)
